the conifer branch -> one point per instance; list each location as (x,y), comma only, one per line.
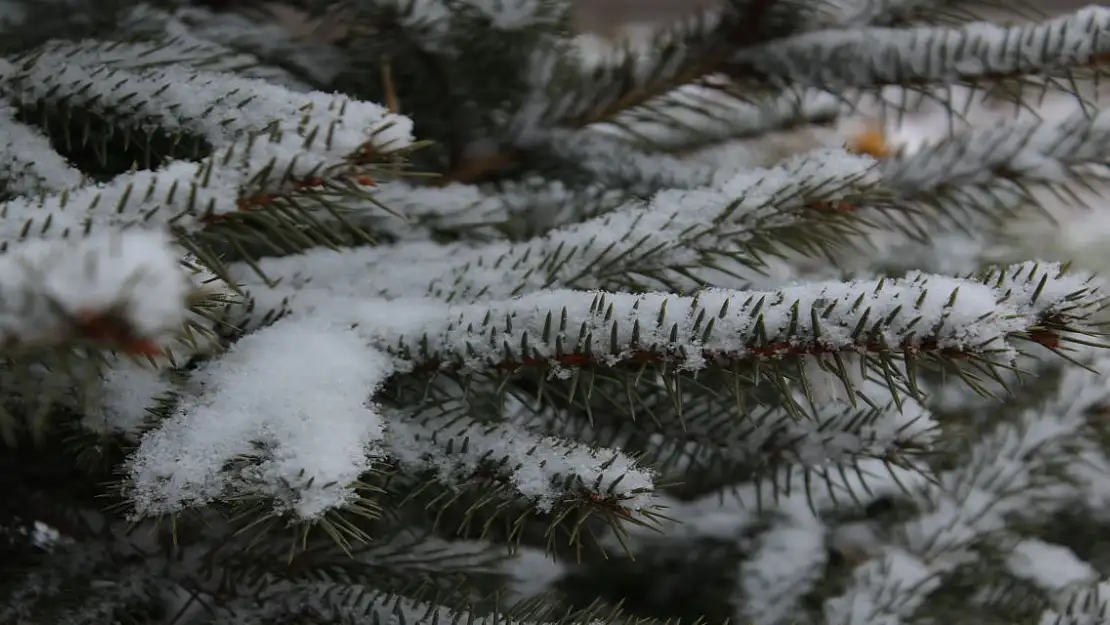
(869,58)
(666,242)
(984,317)
(687,57)
(553,477)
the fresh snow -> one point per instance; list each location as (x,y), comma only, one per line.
(250,407)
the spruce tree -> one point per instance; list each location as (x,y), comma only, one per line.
(418,311)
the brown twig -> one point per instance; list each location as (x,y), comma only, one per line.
(1041,336)
(264,199)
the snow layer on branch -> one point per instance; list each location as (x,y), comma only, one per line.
(337,602)
(126,286)
(918,311)
(853,13)
(183,192)
(418,213)
(604,76)
(605,17)
(883,591)
(217,106)
(287,407)
(729,513)
(673,230)
(1029,151)
(694,112)
(836,434)
(1052,568)
(617,162)
(544,469)
(128,391)
(824,435)
(514,14)
(871,57)
(28,163)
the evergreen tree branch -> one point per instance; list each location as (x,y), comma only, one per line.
(869,58)
(600,94)
(265,150)
(551,474)
(1023,467)
(962,179)
(918,318)
(697,117)
(1088,605)
(218,107)
(768,41)
(663,243)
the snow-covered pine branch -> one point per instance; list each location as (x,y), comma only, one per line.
(673,243)
(170,97)
(1039,462)
(694,117)
(867,58)
(218,42)
(830,436)
(663,243)
(1089,606)
(986,317)
(996,167)
(335,601)
(786,563)
(267,141)
(549,335)
(547,472)
(566,94)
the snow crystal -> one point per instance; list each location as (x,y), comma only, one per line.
(173,98)
(865,57)
(128,391)
(670,231)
